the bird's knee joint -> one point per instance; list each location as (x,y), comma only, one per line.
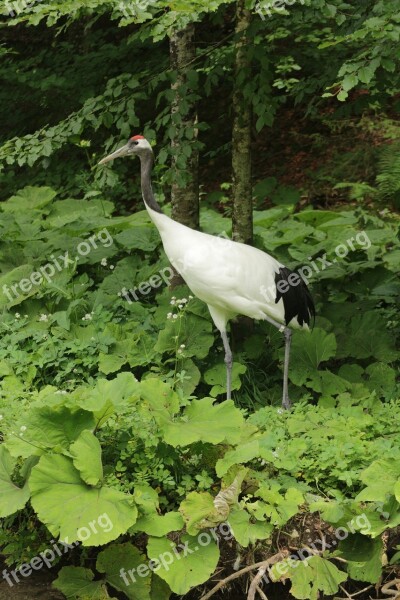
(287,333)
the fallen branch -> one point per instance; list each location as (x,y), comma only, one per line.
(265,563)
(261,593)
(388,592)
(254,584)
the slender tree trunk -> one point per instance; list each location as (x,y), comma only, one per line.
(241,135)
(185,161)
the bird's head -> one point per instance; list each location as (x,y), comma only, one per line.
(136,145)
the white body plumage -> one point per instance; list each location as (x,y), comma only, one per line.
(230,277)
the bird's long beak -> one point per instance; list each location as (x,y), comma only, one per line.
(117,154)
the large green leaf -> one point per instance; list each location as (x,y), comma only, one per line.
(240,455)
(279,507)
(380,478)
(159,399)
(363,556)
(246,532)
(196,507)
(158,525)
(309,350)
(310,577)
(119,392)
(206,422)
(195,333)
(368,336)
(77,582)
(120,563)
(28,199)
(184,569)
(73,510)
(12,498)
(49,427)
(139,237)
(12,297)
(86,455)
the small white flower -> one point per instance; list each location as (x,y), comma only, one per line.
(17,316)
(173,302)
(174,316)
(184,300)
(25,316)
(180,306)
(1,417)
(44,317)
(169,316)
(180,351)
(87,317)
(119,294)
(103,262)
(22,428)
(190,297)
(182,346)
(280,411)
(112,267)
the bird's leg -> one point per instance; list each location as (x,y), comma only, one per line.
(285,397)
(228,363)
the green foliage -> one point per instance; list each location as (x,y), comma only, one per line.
(311,577)
(389,174)
(114,407)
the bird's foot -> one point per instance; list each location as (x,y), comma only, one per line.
(286,404)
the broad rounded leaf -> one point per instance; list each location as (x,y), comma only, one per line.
(120,562)
(186,566)
(196,507)
(77,582)
(310,577)
(49,427)
(74,511)
(244,531)
(158,525)
(206,422)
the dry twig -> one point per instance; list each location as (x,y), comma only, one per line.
(265,563)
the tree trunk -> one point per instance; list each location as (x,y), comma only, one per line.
(185,160)
(242,230)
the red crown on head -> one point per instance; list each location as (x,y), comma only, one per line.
(138,137)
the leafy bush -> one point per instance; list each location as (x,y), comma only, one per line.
(109,407)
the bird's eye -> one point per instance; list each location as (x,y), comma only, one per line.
(136,143)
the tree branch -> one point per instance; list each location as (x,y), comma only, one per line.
(265,563)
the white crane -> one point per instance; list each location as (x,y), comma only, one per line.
(230,277)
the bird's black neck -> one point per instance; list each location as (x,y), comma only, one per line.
(146,165)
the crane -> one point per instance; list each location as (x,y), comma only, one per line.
(230,277)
